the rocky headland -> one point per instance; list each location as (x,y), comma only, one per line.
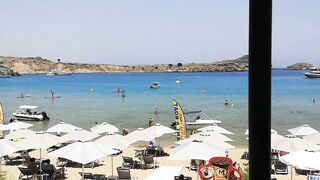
(300,66)
(39,65)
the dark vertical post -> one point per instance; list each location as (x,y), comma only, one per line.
(260,27)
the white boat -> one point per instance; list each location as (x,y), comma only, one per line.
(313,73)
(28,113)
(58,72)
(155,85)
(197,119)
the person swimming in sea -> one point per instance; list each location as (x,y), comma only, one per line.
(226,102)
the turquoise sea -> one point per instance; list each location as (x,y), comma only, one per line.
(88,98)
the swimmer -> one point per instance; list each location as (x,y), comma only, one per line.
(226,102)
(313,100)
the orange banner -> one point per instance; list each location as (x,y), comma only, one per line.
(180,121)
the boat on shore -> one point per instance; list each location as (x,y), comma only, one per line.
(197,119)
(155,85)
(28,113)
(58,72)
(313,73)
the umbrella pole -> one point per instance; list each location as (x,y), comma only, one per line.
(40,161)
(82,171)
(112,165)
(291,172)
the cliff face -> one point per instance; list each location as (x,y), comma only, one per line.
(34,65)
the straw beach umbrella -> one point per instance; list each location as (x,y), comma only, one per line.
(158,130)
(62,127)
(83,152)
(78,135)
(303,130)
(104,127)
(215,128)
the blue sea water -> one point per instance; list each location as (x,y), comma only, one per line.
(292,95)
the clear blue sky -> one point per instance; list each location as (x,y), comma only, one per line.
(153,31)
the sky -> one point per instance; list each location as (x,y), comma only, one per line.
(153,31)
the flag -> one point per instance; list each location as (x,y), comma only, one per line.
(180,121)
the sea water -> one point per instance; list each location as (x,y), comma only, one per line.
(89,98)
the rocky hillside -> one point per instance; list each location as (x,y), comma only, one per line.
(300,66)
(5,71)
(35,65)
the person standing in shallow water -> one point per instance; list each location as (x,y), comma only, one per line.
(226,102)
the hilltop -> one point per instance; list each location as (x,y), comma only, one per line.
(38,65)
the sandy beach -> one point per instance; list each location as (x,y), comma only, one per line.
(12,172)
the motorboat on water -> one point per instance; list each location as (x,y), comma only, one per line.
(313,73)
(28,113)
(155,85)
(58,72)
(197,119)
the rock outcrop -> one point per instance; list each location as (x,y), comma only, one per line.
(36,65)
(300,66)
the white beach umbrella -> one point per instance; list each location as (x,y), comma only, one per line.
(114,141)
(16,125)
(314,138)
(215,128)
(165,172)
(4,127)
(41,140)
(22,133)
(78,135)
(215,142)
(83,152)
(303,130)
(272,131)
(62,127)
(158,130)
(276,137)
(306,159)
(8,147)
(139,135)
(292,144)
(196,150)
(104,127)
(212,135)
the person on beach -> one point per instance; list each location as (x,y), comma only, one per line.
(313,100)
(52,94)
(151,121)
(33,166)
(125,131)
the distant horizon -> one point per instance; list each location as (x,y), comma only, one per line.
(148,32)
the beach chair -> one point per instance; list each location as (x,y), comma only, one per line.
(280,167)
(11,160)
(26,173)
(124,174)
(52,171)
(128,162)
(149,162)
(87,175)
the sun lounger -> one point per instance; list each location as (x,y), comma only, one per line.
(26,173)
(128,162)
(149,162)
(124,174)
(52,171)
(10,160)
(87,175)
(280,167)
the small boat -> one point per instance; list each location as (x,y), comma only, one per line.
(155,85)
(58,72)
(197,119)
(313,73)
(28,113)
